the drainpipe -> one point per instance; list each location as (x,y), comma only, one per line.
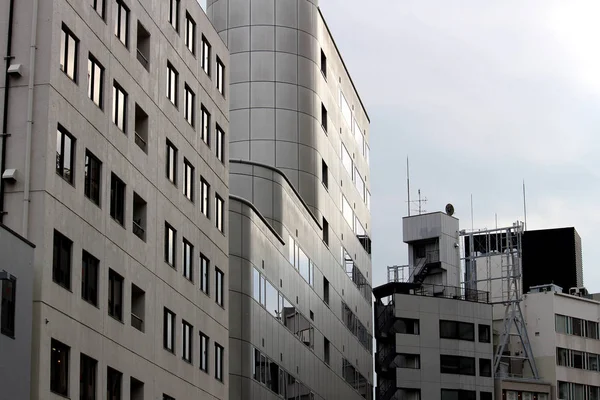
(32,48)
(4,134)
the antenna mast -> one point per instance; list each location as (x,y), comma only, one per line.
(408,185)
(524,205)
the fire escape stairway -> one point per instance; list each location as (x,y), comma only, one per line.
(431,260)
(385,358)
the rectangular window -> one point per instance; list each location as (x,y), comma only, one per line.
(204,274)
(189,106)
(65,154)
(411,361)
(347,212)
(220,76)
(188,256)
(171,169)
(87,377)
(325,290)
(167,397)
(577,359)
(346,110)
(7,311)
(59,368)
(204,198)
(119,114)
(577,325)
(186,341)
(325,232)
(203,352)
(89,278)
(188,180)
(143,46)
(324,174)
(190,34)
(347,161)
(326,351)
(138,307)
(170,240)
(139,225)
(61,262)
(98,5)
(219,212)
(219,149)
(95,81)
(93,168)
(484,333)
(115,295)
(488,396)
(114,380)
(117,199)
(219,276)
(408,326)
(219,350)
(562,357)
(457,365)
(457,394)
(68,53)
(172,83)
(457,330)
(485,367)
(205,125)
(561,322)
(205,64)
(324,117)
(136,389)
(169,330)
(122,22)
(323,64)
(591,330)
(174,14)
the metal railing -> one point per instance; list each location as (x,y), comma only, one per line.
(139,140)
(137,322)
(139,231)
(142,59)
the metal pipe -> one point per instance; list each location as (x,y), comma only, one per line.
(7,59)
(32,49)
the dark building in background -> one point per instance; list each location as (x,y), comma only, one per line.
(552,256)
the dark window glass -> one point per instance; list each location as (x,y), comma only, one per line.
(452,394)
(204,274)
(190,34)
(119,112)
(219,213)
(485,396)
(7,312)
(408,326)
(171,163)
(220,76)
(186,342)
(204,198)
(219,286)
(122,22)
(219,149)
(93,170)
(323,117)
(170,240)
(325,290)
(172,83)
(325,231)
(324,174)
(65,154)
(87,378)
(205,134)
(484,333)
(174,14)
(117,199)
(189,107)
(485,367)
(95,80)
(188,180)
(61,263)
(59,368)
(457,365)
(188,257)
(219,350)
(89,278)
(323,64)
(113,384)
(457,330)
(204,352)
(169,330)
(326,351)
(115,295)
(98,5)
(68,53)
(205,62)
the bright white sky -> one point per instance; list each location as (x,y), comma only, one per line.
(480,95)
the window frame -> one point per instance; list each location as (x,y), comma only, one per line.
(187,334)
(219,357)
(169,317)
(188,180)
(206,50)
(55,362)
(220,79)
(90,266)
(117,376)
(173,17)
(100,7)
(93,194)
(204,352)
(172,84)
(205,274)
(116,310)
(171,162)
(189,106)
(204,197)
(170,253)
(187,255)
(8,307)
(219,213)
(119,95)
(219,288)
(122,36)
(219,143)
(117,208)
(205,128)
(95,67)
(88,370)
(190,37)
(67,39)
(61,135)
(65,267)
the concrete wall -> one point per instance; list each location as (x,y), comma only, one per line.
(56,204)
(16,257)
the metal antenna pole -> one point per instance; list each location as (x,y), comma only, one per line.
(524,205)
(408,185)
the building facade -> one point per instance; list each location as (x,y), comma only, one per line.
(116,167)
(16,285)
(300,207)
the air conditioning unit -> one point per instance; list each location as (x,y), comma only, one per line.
(578,291)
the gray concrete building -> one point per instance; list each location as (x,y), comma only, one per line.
(16,285)
(115,165)
(300,264)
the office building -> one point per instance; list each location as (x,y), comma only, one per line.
(114,164)
(300,263)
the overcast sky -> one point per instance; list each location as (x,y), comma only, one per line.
(480,95)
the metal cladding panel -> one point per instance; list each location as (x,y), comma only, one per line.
(420,227)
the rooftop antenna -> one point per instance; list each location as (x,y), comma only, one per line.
(408,185)
(524,205)
(420,202)
(472,229)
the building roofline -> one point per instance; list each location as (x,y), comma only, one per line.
(430,213)
(249,204)
(6,228)
(343,63)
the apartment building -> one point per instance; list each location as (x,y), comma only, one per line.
(300,248)
(115,165)
(563,330)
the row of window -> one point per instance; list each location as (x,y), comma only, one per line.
(277,379)
(355,176)
(121,31)
(187,260)
(354,127)
(577,359)
(446,394)
(576,326)
(518,395)
(8,293)
(464,331)
(301,262)
(357,380)
(460,365)
(577,391)
(187,341)
(353,272)
(357,328)
(355,225)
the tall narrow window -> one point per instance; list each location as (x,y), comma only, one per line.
(65,153)
(169,330)
(87,377)
(170,240)
(324,117)
(325,290)
(59,368)
(205,64)
(143,46)
(61,262)
(171,163)
(98,5)
(220,76)
(95,80)
(188,180)
(186,341)
(219,350)
(138,307)
(204,275)
(326,351)
(189,106)
(324,174)
(117,199)
(219,149)
(7,312)
(219,212)
(89,278)
(114,380)
(205,125)
(188,256)
(172,83)
(68,53)
(324,64)
(174,14)
(204,198)
(122,22)
(136,389)
(219,286)
(190,34)
(115,295)
(119,113)
(325,232)
(203,352)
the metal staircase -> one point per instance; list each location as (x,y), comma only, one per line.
(386,354)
